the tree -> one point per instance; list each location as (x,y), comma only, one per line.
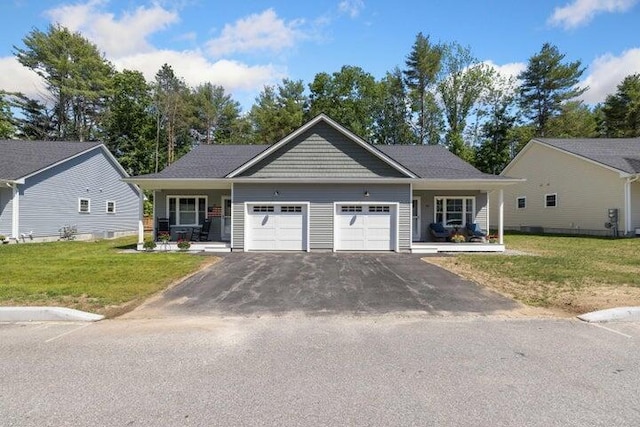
(6,119)
(494,153)
(464,82)
(575,120)
(621,111)
(393,120)
(547,83)
(35,121)
(129,126)
(349,96)
(279,110)
(77,76)
(215,112)
(171,104)
(423,65)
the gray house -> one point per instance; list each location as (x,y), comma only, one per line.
(45,185)
(321,188)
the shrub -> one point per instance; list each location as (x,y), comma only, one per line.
(184,245)
(149,245)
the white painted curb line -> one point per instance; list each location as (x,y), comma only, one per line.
(618,314)
(34,314)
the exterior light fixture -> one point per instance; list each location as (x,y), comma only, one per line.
(366,193)
(276,193)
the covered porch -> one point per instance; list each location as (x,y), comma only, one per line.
(196,211)
(456,206)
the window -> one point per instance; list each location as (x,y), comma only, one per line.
(454,211)
(378,208)
(521,202)
(187,210)
(550,200)
(84,205)
(263,208)
(291,209)
(111,206)
(350,208)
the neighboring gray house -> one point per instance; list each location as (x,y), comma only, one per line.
(45,185)
(321,188)
(571,184)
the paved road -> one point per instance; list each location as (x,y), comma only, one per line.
(327,283)
(321,371)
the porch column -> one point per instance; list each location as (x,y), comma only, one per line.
(15,212)
(141,218)
(501,216)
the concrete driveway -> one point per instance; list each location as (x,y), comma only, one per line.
(325,283)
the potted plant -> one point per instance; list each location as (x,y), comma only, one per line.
(458,238)
(183,245)
(149,245)
(164,237)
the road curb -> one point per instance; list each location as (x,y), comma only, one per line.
(40,314)
(618,314)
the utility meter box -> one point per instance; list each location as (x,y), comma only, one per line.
(613,215)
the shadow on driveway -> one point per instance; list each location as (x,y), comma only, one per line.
(326,283)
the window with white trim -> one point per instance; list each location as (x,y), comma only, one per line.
(187,210)
(551,200)
(290,208)
(111,207)
(454,211)
(521,202)
(350,208)
(378,208)
(84,205)
(267,208)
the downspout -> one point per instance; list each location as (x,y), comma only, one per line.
(627,203)
(15,212)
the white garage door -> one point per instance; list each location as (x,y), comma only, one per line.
(365,227)
(276,228)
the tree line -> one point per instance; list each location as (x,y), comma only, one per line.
(442,95)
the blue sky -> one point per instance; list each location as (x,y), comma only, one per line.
(246,44)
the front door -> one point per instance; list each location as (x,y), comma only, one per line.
(415,218)
(225,222)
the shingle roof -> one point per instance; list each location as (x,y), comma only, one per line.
(619,153)
(433,162)
(217,161)
(21,158)
(208,162)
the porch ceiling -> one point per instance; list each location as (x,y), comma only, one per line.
(452,184)
(180,184)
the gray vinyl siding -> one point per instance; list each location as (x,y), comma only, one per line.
(427,209)
(6,209)
(214,199)
(49,200)
(321,198)
(322,151)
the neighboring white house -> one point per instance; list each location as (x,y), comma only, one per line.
(571,186)
(47,185)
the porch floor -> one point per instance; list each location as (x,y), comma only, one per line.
(437,247)
(195,247)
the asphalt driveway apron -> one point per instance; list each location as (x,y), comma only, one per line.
(326,283)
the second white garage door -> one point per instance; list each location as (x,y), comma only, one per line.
(271,227)
(365,227)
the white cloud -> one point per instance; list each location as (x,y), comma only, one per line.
(258,32)
(607,72)
(116,36)
(508,70)
(351,7)
(582,11)
(17,78)
(195,69)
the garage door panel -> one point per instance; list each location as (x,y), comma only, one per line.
(282,229)
(370,228)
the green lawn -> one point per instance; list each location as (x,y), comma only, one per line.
(572,273)
(93,276)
